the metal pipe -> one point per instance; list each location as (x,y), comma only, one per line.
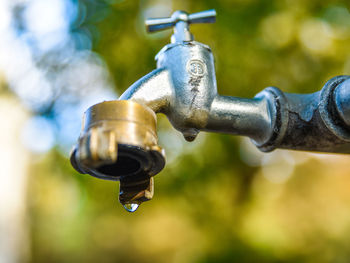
(235,116)
(342,100)
(311,122)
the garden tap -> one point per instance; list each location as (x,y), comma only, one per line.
(119,139)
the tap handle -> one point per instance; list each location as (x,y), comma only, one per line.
(208,16)
(157,24)
(180,18)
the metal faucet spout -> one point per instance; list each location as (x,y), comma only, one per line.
(153,90)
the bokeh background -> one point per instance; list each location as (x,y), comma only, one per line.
(218,199)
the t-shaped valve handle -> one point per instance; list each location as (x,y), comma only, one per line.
(180,20)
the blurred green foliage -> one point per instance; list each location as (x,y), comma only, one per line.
(209,205)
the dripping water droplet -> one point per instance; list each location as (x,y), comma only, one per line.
(131,207)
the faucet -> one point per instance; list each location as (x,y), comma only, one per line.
(119,138)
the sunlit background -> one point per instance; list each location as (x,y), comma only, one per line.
(218,199)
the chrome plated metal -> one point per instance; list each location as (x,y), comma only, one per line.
(180,20)
(183,87)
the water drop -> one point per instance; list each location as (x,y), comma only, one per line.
(131,207)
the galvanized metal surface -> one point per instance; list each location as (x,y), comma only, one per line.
(310,122)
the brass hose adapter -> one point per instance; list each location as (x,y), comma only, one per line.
(119,141)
